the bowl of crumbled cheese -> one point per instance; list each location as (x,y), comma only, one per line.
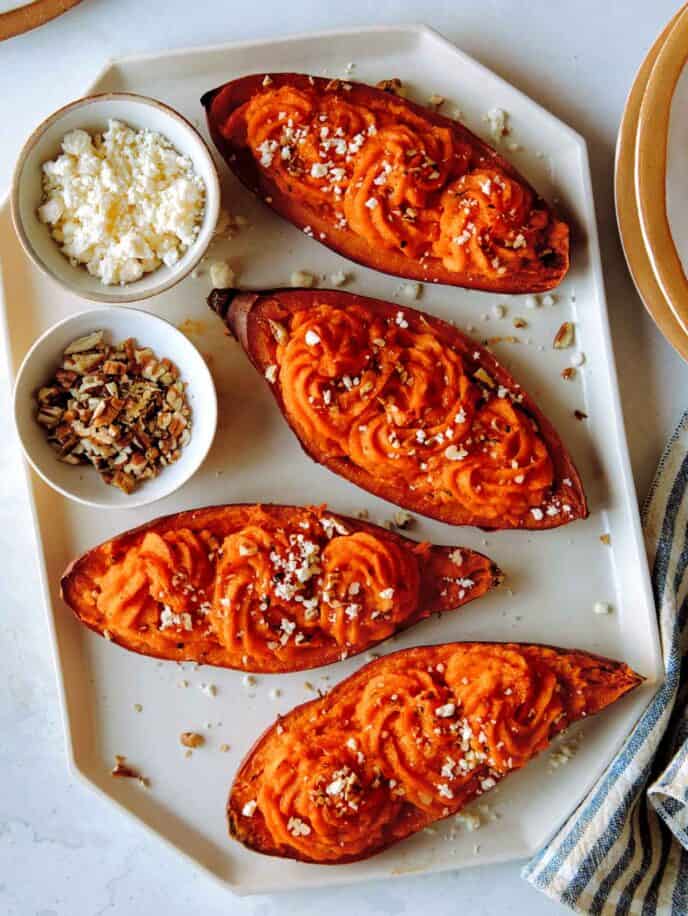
(116,197)
(115,407)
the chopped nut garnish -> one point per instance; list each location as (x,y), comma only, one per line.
(568,373)
(580,415)
(117,407)
(403,519)
(606,538)
(393,86)
(192,739)
(224,748)
(124,770)
(301,278)
(436,101)
(483,377)
(520,323)
(138,707)
(564,336)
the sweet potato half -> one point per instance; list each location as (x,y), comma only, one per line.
(388,183)
(407,740)
(407,407)
(266,588)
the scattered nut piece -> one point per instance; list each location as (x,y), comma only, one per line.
(123,770)
(436,101)
(482,376)
(606,538)
(338,278)
(192,739)
(520,323)
(393,86)
(224,748)
(138,707)
(564,336)
(568,373)
(580,415)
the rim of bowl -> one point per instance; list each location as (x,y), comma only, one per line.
(109,298)
(141,500)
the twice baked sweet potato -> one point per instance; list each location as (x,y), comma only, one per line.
(407,407)
(407,740)
(266,588)
(388,183)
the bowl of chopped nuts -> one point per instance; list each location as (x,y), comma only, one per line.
(116,197)
(115,408)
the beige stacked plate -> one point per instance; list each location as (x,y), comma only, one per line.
(649,175)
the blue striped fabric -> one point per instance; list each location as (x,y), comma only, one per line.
(625,849)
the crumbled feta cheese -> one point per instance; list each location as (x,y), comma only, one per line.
(271,373)
(455,453)
(221,275)
(549,299)
(537,514)
(312,339)
(249,808)
(602,607)
(456,557)
(497,118)
(122,203)
(387,594)
(301,278)
(411,290)
(371,203)
(297,827)
(446,711)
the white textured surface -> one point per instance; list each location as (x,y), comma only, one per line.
(61,850)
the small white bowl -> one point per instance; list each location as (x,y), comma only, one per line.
(92,114)
(82,482)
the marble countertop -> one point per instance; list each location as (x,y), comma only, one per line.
(65,852)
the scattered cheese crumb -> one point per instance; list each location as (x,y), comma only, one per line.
(411,290)
(271,373)
(302,278)
(602,607)
(221,275)
(249,808)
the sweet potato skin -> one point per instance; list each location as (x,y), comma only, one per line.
(80,582)
(226,102)
(247,316)
(587,683)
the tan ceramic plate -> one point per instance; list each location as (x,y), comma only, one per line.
(31,15)
(651,169)
(627,208)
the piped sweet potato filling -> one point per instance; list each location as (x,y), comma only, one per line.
(408,740)
(398,180)
(271,595)
(391,396)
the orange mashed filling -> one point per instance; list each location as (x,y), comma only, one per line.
(396,179)
(422,734)
(268,594)
(401,404)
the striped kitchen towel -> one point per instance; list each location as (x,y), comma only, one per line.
(625,849)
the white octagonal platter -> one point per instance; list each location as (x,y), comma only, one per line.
(554,577)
